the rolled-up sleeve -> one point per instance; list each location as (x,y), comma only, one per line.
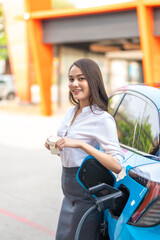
(106,136)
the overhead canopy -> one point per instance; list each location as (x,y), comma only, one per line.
(91,28)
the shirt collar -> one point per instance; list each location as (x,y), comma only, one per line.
(88,108)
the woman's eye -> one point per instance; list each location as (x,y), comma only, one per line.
(71,79)
(81,79)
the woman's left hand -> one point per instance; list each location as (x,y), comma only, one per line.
(68,142)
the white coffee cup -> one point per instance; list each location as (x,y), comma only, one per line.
(52,142)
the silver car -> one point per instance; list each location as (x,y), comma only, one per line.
(7,89)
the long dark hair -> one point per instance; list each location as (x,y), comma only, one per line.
(93,75)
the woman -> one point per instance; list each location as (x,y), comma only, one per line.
(86,128)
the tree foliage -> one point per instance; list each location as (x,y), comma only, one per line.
(145,141)
(3,43)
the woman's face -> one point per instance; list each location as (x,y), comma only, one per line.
(78,85)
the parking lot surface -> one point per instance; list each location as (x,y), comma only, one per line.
(30,188)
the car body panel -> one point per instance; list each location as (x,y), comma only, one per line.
(140,233)
(131,232)
(137,160)
(135,198)
(127,153)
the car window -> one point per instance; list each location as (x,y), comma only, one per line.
(149,134)
(113,103)
(128,119)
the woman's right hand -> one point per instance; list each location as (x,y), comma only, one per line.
(47,144)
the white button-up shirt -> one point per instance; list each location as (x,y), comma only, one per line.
(96,128)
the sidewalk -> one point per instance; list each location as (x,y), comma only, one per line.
(23,125)
(30,109)
(30,185)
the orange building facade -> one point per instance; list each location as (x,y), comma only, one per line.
(31,56)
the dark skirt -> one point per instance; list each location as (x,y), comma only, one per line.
(75,203)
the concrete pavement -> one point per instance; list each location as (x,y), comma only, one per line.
(30,191)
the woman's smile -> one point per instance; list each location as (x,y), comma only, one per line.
(76,90)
